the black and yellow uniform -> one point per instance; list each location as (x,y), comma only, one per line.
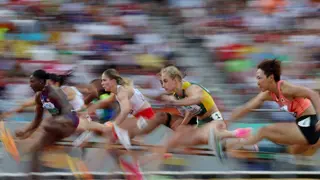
(206,104)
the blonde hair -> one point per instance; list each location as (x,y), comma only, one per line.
(173,72)
(113,74)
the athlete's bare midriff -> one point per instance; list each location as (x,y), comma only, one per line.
(309,111)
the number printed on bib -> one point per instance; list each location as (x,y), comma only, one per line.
(217,116)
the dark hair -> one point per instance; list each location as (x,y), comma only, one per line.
(40,74)
(61,79)
(101,91)
(54,77)
(271,67)
(113,74)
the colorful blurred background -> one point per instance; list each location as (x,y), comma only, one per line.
(216,43)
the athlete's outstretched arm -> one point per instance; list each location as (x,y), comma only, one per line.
(125,106)
(194,95)
(28,130)
(102,104)
(29,103)
(246,108)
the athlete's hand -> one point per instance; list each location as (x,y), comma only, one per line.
(221,125)
(91,109)
(168,100)
(22,134)
(5,115)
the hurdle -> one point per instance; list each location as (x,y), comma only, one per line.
(292,175)
(185,174)
(268,110)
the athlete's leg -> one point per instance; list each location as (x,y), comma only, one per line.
(51,130)
(280,133)
(192,136)
(188,136)
(152,124)
(83,123)
(298,149)
(37,145)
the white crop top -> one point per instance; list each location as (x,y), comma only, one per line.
(77,102)
(137,100)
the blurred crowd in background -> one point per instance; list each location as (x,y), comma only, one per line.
(217,43)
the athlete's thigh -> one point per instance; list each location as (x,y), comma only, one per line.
(176,119)
(83,123)
(289,130)
(152,124)
(59,126)
(298,149)
(128,123)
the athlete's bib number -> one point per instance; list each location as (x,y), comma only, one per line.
(50,107)
(194,109)
(217,116)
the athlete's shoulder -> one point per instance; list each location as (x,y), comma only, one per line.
(38,97)
(265,96)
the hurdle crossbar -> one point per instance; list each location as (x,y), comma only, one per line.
(134,145)
(268,110)
(176,174)
(189,151)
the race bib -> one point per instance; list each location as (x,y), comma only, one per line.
(194,109)
(217,116)
(50,107)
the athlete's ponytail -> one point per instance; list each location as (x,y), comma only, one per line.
(61,79)
(127,81)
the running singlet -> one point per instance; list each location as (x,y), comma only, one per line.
(206,102)
(52,105)
(297,106)
(137,101)
(77,102)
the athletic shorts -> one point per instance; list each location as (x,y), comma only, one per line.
(204,121)
(147,113)
(307,125)
(74,117)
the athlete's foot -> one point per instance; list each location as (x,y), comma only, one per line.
(251,148)
(133,169)
(248,147)
(242,132)
(122,136)
(215,144)
(82,139)
(10,144)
